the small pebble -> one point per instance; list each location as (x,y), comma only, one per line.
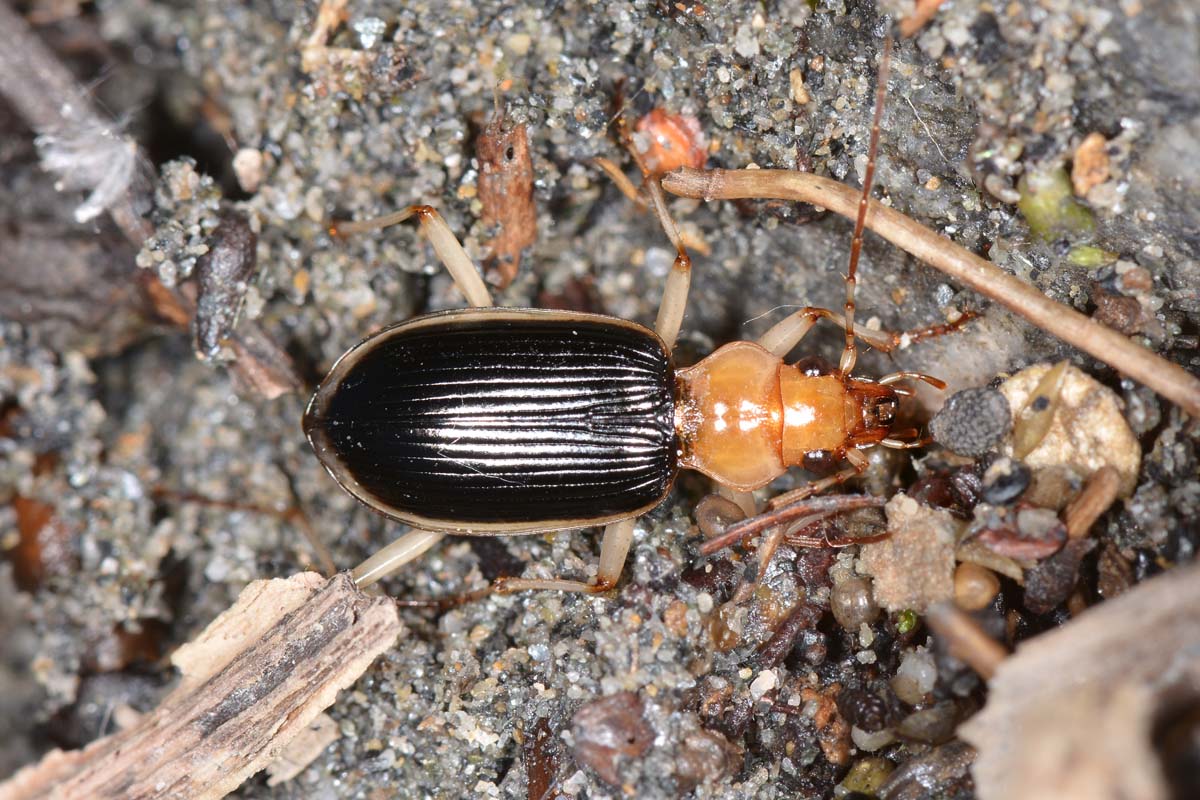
(933,725)
(609,730)
(916,676)
(704,757)
(675,618)
(974,586)
(762,684)
(870,742)
(715,513)
(853,603)
(972,422)
(248,167)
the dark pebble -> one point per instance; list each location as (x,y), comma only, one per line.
(942,772)
(223,275)
(972,422)
(609,730)
(1005,481)
(864,710)
(1049,584)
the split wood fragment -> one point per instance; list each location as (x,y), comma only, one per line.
(1168,379)
(257,677)
(1070,715)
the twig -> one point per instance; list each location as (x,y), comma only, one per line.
(1168,379)
(256,678)
(816,507)
(1098,494)
(966,639)
(923,11)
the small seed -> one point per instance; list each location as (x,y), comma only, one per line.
(974,586)
(853,603)
(715,513)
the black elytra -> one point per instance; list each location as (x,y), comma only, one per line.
(501,420)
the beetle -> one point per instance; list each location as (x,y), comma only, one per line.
(489,421)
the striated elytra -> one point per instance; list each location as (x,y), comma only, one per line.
(501,421)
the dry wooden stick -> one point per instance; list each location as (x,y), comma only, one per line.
(966,639)
(256,677)
(1098,494)
(922,12)
(1168,379)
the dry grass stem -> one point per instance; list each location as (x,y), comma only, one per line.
(1168,379)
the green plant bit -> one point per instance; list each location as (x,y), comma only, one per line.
(1050,207)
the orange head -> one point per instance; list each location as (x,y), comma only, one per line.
(873,411)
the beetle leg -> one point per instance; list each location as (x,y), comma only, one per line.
(744,500)
(447,247)
(858,465)
(614,547)
(394,555)
(613,550)
(620,180)
(679,280)
(849,353)
(787,333)
(936,383)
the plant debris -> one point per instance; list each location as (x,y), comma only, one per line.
(1072,712)
(257,677)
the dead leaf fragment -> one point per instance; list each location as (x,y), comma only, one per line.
(506,193)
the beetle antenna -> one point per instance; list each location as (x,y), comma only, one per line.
(849,353)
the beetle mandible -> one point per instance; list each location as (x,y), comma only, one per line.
(489,421)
